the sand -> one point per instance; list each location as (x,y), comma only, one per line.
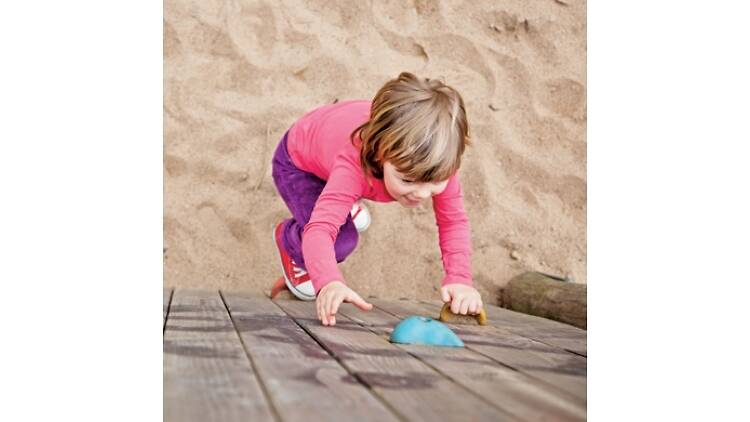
(238,74)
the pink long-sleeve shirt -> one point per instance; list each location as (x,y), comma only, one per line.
(319,143)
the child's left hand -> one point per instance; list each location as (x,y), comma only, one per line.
(464,299)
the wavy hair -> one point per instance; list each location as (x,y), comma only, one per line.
(419,125)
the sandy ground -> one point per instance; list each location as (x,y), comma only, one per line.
(238,73)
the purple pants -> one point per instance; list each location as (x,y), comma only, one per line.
(300,190)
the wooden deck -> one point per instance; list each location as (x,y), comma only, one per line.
(237,357)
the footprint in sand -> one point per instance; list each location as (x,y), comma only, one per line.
(565,97)
(452,51)
(172,45)
(253,29)
(174,165)
(407,46)
(210,39)
(316,74)
(206,173)
(474,184)
(397,16)
(217,221)
(569,188)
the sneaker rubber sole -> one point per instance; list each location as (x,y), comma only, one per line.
(295,291)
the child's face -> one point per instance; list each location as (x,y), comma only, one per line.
(406,192)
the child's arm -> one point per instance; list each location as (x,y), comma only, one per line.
(330,298)
(453,233)
(343,188)
(455,246)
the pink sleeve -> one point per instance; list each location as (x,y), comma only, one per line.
(343,188)
(453,231)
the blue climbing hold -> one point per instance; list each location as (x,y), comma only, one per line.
(423,330)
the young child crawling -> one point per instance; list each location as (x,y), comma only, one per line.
(404,146)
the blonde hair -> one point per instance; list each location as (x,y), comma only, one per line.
(417,124)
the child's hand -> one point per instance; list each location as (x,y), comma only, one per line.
(331,296)
(464,299)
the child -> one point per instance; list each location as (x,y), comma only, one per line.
(404,146)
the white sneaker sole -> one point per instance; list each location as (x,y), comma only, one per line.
(362,220)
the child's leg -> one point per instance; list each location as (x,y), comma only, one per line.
(300,191)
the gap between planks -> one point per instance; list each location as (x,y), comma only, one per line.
(206,372)
(520,394)
(335,395)
(536,363)
(261,382)
(354,375)
(396,375)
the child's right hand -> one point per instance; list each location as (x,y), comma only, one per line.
(331,296)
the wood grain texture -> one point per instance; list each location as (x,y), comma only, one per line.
(505,388)
(207,375)
(544,330)
(413,389)
(304,382)
(537,294)
(558,368)
(550,332)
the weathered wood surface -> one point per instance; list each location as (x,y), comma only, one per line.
(502,387)
(230,356)
(550,332)
(537,294)
(207,375)
(413,389)
(557,367)
(305,383)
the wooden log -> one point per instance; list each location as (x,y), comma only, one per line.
(541,295)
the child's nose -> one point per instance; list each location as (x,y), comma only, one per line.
(423,194)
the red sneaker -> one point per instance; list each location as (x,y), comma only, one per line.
(297,280)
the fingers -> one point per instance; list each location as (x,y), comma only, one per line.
(360,303)
(323,307)
(475,305)
(456,305)
(332,306)
(328,303)
(319,307)
(464,308)
(445,295)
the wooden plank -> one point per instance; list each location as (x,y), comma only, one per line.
(167,299)
(564,370)
(513,391)
(304,382)
(207,375)
(544,330)
(411,388)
